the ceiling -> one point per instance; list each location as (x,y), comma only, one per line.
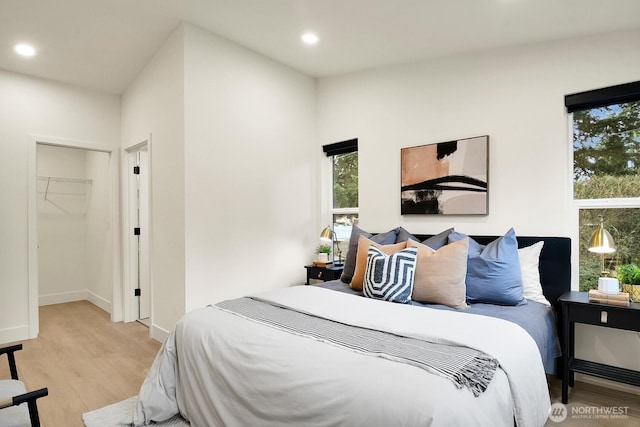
(104,44)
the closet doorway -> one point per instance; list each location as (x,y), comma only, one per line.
(73,237)
(136,234)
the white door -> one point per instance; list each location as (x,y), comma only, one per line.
(139,235)
(144,301)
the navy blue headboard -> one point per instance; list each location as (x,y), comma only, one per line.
(555,262)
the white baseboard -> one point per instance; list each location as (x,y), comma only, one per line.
(85,294)
(159,334)
(614,385)
(99,301)
(62,297)
(11,335)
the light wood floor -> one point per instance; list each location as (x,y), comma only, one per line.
(85,360)
(585,398)
(88,362)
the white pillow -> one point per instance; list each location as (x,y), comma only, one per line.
(529,260)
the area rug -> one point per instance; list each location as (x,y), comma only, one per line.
(119,415)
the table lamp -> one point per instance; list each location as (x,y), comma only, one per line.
(602,243)
(329,236)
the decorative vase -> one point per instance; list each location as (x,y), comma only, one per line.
(633,291)
(322,257)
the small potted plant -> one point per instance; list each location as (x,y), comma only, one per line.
(629,277)
(323,252)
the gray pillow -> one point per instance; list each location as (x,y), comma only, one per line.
(387,238)
(439,240)
(404,235)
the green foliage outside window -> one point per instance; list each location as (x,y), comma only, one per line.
(345,196)
(606,143)
(345,180)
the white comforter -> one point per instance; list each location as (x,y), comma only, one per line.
(220,369)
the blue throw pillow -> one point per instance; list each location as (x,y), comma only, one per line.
(349,268)
(390,277)
(493,271)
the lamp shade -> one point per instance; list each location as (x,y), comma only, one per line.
(601,241)
(327,235)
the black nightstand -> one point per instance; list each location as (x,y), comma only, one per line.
(323,273)
(576,308)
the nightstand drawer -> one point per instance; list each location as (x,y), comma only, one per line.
(322,273)
(603,315)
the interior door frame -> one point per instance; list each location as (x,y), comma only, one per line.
(130,306)
(32,219)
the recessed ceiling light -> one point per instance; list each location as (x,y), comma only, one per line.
(24,49)
(310,38)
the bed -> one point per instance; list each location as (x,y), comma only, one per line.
(325,355)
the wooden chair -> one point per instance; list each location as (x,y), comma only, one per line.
(13,394)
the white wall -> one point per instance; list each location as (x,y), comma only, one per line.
(516,96)
(35,106)
(99,235)
(250,201)
(154,104)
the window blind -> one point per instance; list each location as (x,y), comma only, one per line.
(343,147)
(627,92)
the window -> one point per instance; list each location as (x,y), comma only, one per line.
(606,182)
(344,182)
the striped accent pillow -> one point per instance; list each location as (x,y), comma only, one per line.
(390,277)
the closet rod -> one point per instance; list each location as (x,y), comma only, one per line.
(60,179)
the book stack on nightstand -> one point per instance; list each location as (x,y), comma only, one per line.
(620,299)
(323,264)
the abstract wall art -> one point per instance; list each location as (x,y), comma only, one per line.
(446,178)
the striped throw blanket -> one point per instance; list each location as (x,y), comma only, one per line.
(464,366)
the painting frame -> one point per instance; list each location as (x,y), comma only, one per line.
(445,178)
